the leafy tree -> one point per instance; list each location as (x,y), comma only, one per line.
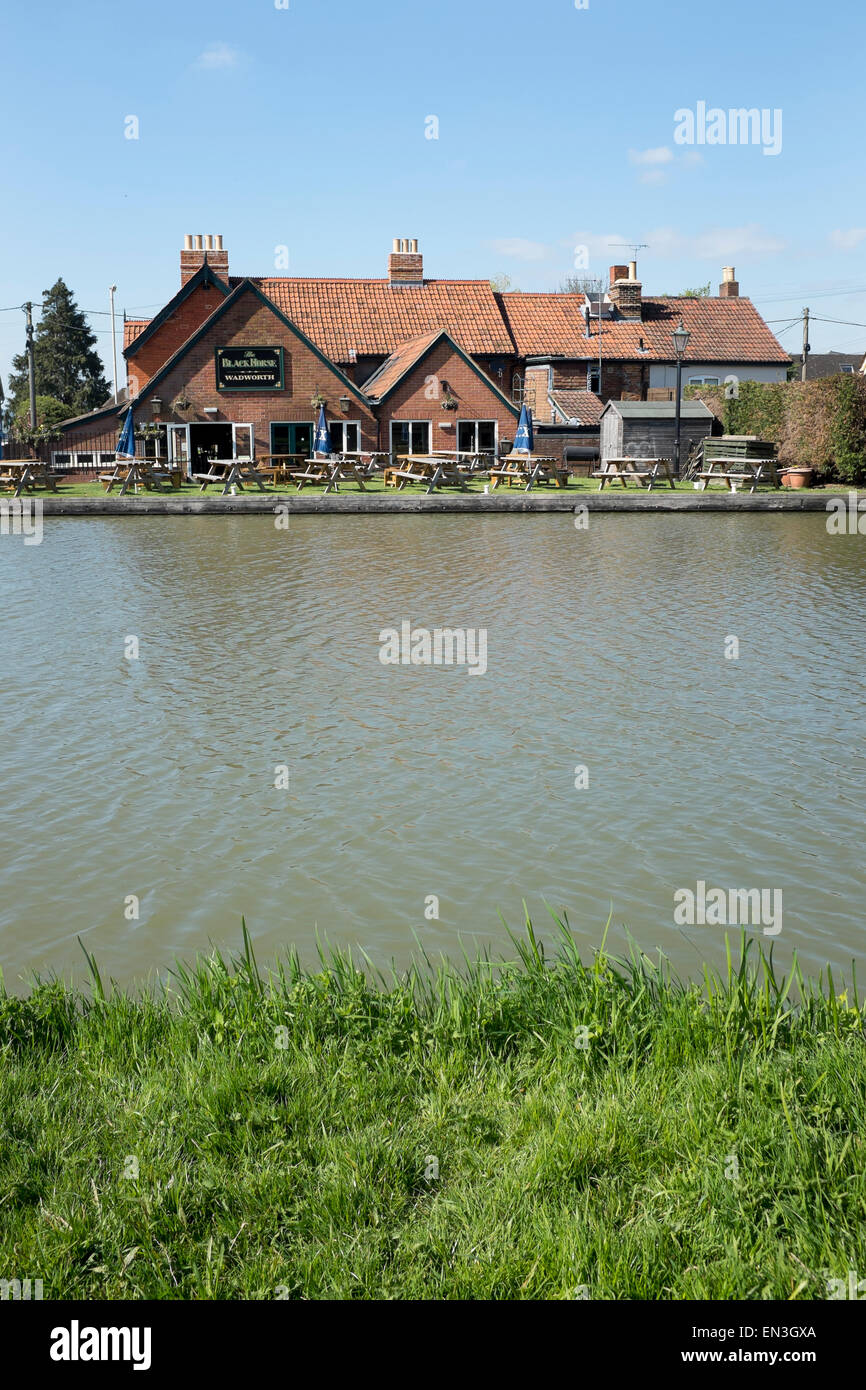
(581,284)
(49,411)
(68,367)
(502,282)
(700,292)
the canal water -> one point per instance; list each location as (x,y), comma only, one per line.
(144,799)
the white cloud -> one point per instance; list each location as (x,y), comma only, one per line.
(659,155)
(519,249)
(847,239)
(218,57)
(715,243)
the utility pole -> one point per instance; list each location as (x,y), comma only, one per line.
(806,347)
(112,289)
(31,363)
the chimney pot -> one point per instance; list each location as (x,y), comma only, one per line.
(729,288)
(208,243)
(219,243)
(187,242)
(632,270)
(414,246)
(395,247)
(197,246)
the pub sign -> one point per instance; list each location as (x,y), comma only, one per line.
(249,368)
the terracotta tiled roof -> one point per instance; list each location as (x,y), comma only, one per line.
(395,366)
(131,330)
(584,406)
(373,317)
(723,330)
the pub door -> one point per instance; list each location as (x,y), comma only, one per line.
(209,442)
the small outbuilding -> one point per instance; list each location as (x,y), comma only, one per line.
(646,429)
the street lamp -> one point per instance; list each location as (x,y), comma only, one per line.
(681,337)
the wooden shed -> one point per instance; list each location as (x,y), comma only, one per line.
(645,429)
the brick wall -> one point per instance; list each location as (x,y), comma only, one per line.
(413,399)
(536,391)
(624,380)
(189,316)
(250,324)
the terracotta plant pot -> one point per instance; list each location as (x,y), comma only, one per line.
(797,477)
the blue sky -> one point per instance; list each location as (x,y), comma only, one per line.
(305,127)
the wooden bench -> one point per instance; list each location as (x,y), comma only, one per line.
(736,469)
(625,470)
(528,469)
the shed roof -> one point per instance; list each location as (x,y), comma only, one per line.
(659,410)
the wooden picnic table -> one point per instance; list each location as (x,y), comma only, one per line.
(237,471)
(18,474)
(281,467)
(424,468)
(642,471)
(528,469)
(736,469)
(370,460)
(136,473)
(473,459)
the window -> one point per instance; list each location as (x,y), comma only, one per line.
(244,441)
(846,368)
(410,437)
(154,444)
(593,380)
(703,381)
(291,438)
(476,436)
(345,436)
(517,388)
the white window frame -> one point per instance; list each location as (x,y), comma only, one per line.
(173,432)
(235,427)
(357,424)
(428,425)
(704,381)
(475,448)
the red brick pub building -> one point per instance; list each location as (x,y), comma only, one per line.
(238,366)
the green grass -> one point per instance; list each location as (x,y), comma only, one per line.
(283,1131)
(375,485)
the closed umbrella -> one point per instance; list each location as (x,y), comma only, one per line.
(524,438)
(322,443)
(126,451)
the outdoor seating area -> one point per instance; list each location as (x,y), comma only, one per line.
(643,472)
(528,470)
(26,475)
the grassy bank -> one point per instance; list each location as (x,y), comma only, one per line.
(375,485)
(446,1134)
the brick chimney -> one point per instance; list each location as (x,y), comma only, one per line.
(405,263)
(625,290)
(536,392)
(196,250)
(729,288)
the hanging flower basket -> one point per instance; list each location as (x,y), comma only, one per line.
(449,403)
(181,403)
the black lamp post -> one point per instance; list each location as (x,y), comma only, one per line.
(681,337)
